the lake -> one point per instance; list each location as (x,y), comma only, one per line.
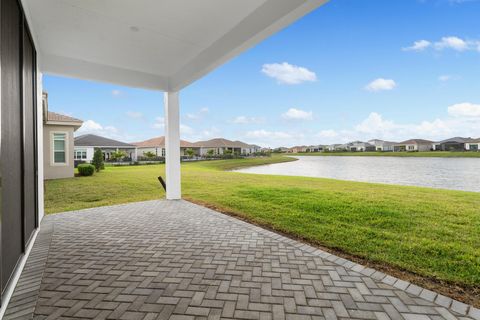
(443,173)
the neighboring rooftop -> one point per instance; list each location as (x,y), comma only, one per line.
(416,141)
(221,142)
(458,140)
(159,142)
(57,117)
(91,140)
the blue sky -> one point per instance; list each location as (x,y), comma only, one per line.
(350,70)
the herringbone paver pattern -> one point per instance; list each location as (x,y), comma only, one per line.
(177,260)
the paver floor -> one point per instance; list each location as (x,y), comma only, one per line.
(177,260)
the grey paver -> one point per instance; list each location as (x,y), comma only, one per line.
(177,260)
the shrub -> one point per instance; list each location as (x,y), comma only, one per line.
(98,160)
(86,169)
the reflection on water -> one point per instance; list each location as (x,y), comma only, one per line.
(443,173)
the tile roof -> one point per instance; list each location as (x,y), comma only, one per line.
(91,140)
(416,141)
(458,140)
(57,117)
(159,142)
(221,143)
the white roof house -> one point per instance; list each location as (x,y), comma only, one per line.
(160,45)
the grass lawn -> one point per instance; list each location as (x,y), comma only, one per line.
(435,154)
(431,233)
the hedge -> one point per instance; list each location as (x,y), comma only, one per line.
(86,169)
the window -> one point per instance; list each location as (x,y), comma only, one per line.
(59,148)
(411,147)
(163,152)
(80,154)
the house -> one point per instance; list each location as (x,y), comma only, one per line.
(317,148)
(58,155)
(281,150)
(255,148)
(248,148)
(298,149)
(220,145)
(452,144)
(157,147)
(335,147)
(359,146)
(382,145)
(413,145)
(86,144)
(473,145)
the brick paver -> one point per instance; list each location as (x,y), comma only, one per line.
(177,260)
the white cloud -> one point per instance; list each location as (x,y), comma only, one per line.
(272,138)
(116,92)
(465,109)
(327,134)
(463,120)
(460,1)
(93,127)
(90,125)
(381,84)
(159,123)
(268,134)
(451,42)
(297,114)
(444,78)
(186,130)
(419,45)
(286,73)
(134,114)
(197,115)
(246,120)
(448,42)
(375,124)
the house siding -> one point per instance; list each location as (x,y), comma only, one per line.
(52,171)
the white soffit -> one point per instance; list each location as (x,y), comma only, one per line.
(155,44)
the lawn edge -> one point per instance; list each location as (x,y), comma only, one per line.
(443,291)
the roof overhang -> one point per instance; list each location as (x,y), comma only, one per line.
(154,44)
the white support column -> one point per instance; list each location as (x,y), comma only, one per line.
(172,145)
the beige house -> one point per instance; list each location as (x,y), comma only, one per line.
(220,145)
(413,145)
(58,141)
(297,149)
(473,145)
(157,147)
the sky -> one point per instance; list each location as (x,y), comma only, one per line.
(351,70)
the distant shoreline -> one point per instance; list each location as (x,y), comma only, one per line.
(425,154)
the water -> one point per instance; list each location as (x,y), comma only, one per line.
(443,173)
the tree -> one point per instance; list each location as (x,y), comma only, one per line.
(210,152)
(98,160)
(118,155)
(190,153)
(149,155)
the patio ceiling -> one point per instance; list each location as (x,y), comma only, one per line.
(155,44)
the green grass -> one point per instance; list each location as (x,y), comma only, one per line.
(428,154)
(432,233)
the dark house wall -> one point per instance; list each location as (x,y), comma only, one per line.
(452,146)
(18,165)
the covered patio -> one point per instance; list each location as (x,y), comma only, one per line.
(178,260)
(163,259)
